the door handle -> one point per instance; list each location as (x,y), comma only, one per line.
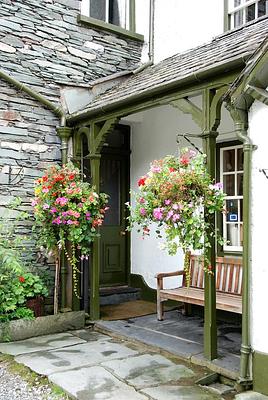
(122,233)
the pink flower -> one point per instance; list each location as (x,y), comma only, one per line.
(34,202)
(62,201)
(64,213)
(142,211)
(175,217)
(69,222)
(76,214)
(45,206)
(53,210)
(57,221)
(175,207)
(156,169)
(167,202)
(218,186)
(158,213)
(169,215)
(141,200)
(45,190)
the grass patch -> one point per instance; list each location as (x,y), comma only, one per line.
(31,377)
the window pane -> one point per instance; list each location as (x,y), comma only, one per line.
(241,209)
(237,3)
(240,184)
(240,160)
(232,211)
(261,8)
(229,185)
(98,9)
(250,13)
(114,12)
(228,160)
(238,18)
(232,234)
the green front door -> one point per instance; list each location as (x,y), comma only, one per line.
(114,180)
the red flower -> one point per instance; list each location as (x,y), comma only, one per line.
(21,279)
(141,181)
(172,169)
(71,177)
(184,160)
(45,178)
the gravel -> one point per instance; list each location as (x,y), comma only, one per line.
(13,387)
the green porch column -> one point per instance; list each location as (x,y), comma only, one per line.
(95,267)
(210,324)
(64,133)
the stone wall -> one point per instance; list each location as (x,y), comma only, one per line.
(43,46)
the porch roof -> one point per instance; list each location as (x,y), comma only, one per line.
(224,53)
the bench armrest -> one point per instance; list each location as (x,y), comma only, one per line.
(167,274)
(160,276)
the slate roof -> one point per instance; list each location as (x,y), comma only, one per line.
(236,44)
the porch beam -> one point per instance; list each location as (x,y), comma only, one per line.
(188,107)
(152,100)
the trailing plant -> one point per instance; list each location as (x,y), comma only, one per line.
(178,197)
(68,210)
(17,283)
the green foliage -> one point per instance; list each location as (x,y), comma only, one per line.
(17,284)
(177,196)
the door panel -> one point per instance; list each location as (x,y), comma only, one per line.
(114,180)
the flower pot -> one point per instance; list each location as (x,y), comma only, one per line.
(36,305)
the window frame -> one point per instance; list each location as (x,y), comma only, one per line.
(231,10)
(223,222)
(127,10)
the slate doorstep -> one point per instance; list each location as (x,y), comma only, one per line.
(24,329)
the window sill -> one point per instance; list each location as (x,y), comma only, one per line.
(95,23)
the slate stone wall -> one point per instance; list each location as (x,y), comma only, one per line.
(43,46)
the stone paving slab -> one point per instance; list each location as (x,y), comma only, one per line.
(86,354)
(148,370)
(251,396)
(40,343)
(94,383)
(179,347)
(168,392)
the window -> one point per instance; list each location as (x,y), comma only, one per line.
(243,11)
(111,11)
(231,175)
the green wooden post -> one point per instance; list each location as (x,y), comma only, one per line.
(211,121)
(132,16)
(210,326)
(95,267)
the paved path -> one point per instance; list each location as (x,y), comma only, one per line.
(93,366)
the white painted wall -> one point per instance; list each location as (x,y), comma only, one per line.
(258,122)
(152,138)
(180,24)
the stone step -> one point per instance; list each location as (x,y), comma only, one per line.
(118,294)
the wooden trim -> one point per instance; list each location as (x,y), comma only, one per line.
(102,25)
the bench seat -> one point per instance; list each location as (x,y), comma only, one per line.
(228,286)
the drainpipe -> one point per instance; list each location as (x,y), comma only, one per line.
(241,124)
(151,31)
(64,133)
(150,40)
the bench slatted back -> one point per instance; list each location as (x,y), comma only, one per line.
(228,274)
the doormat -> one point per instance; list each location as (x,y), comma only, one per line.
(129,309)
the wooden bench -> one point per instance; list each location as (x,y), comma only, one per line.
(228,286)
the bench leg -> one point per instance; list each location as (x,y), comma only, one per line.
(160,310)
(187,309)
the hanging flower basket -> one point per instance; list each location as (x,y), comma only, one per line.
(68,210)
(179,198)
